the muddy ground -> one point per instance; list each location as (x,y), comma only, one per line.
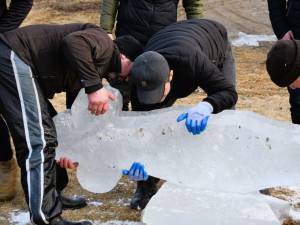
(256,92)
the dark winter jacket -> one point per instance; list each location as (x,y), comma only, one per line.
(13,16)
(143,18)
(65,57)
(195,50)
(285,16)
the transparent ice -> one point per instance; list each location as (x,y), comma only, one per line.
(177,205)
(239,152)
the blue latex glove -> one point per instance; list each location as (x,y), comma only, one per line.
(196,117)
(136,172)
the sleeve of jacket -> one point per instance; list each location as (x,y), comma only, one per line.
(108,14)
(15,14)
(221,94)
(81,49)
(193,8)
(277,13)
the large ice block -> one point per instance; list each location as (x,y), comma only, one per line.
(178,205)
(238,152)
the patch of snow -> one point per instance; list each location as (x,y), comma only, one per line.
(251,39)
(116,222)
(95,203)
(19,217)
(295,214)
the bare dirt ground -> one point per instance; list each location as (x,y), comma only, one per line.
(256,92)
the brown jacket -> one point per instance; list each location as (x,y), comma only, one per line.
(65,57)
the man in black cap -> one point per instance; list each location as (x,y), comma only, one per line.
(176,61)
(35,63)
(285,20)
(283,63)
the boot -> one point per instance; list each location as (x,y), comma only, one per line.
(72,202)
(144,192)
(60,221)
(8,179)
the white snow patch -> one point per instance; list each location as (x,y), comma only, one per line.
(295,214)
(95,203)
(116,222)
(18,217)
(251,39)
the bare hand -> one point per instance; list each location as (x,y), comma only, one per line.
(111,36)
(67,163)
(98,101)
(288,36)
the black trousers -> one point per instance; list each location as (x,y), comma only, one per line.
(6,150)
(28,117)
(295,104)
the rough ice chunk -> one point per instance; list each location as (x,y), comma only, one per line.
(238,152)
(177,205)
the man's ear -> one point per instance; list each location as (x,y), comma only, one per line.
(122,56)
(171,76)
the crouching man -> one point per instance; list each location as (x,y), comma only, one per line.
(176,61)
(35,63)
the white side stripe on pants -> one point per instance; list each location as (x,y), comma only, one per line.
(14,58)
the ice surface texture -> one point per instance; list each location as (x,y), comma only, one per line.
(178,205)
(239,152)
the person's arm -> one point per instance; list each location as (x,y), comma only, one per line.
(15,14)
(108,15)
(193,8)
(221,93)
(83,50)
(277,13)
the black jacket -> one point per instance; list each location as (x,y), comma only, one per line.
(142,19)
(65,57)
(285,16)
(195,50)
(12,17)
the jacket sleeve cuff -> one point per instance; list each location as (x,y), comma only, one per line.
(212,103)
(93,88)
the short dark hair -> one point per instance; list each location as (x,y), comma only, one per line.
(129,46)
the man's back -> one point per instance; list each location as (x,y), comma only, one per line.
(43,48)
(183,38)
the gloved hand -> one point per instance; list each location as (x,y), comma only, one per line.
(196,117)
(136,172)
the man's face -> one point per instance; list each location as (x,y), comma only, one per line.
(126,66)
(295,84)
(167,87)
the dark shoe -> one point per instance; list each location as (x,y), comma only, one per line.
(72,203)
(144,192)
(60,221)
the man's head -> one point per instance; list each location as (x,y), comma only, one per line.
(283,63)
(151,75)
(129,49)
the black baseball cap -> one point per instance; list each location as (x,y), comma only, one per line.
(149,74)
(283,62)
